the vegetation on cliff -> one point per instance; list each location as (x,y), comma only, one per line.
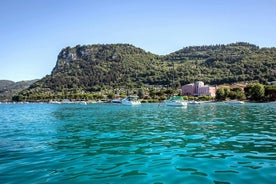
(122,68)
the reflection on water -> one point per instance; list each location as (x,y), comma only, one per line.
(106,143)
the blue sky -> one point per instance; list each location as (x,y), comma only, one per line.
(32,32)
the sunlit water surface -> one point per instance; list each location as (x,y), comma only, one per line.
(150,143)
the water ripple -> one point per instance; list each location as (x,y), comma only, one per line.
(105,143)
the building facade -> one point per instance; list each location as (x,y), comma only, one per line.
(198,89)
(188,90)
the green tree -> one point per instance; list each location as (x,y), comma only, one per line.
(255,92)
(141,93)
(204,98)
(89,96)
(110,95)
(220,94)
(168,91)
(152,93)
(185,97)
(237,93)
(270,92)
(18,98)
(226,92)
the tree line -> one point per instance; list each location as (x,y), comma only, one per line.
(252,92)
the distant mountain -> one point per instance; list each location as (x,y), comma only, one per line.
(9,88)
(5,83)
(91,68)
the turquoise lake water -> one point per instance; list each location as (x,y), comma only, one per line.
(109,143)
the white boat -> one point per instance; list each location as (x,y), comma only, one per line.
(66,101)
(54,102)
(116,100)
(193,102)
(131,100)
(82,102)
(177,101)
(232,102)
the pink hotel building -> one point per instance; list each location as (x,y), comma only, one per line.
(198,89)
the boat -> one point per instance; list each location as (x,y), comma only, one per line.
(193,102)
(177,101)
(54,102)
(66,101)
(116,100)
(82,102)
(131,100)
(233,102)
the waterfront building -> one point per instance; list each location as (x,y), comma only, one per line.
(199,89)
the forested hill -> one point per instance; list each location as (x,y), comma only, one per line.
(9,88)
(94,67)
(219,64)
(97,67)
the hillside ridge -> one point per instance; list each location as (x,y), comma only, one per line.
(10,88)
(92,68)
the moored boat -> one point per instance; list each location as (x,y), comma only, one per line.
(54,102)
(131,100)
(232,102)
(193,102)
(82,102)
(177,101)
(116,100)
